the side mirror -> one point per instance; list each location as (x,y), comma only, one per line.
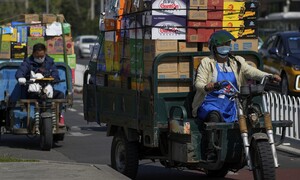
(273,51)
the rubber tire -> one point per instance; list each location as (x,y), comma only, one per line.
(58,137)
(124,155)
(217,173)
(284,85)
(262,160)
(46,136)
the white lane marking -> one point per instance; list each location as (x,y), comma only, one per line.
(75,128)
(77,134)
(72,109)
(286,144)
(81,114)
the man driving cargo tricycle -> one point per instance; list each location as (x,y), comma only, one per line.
(213,104)
(228,119)
(32,96)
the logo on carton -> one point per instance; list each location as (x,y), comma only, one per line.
(167,28)
(169,4)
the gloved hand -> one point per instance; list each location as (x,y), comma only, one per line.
(35,76)
(276,78)
(48,90)
(22,81)
(35,87)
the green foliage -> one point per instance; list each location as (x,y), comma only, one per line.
(76,12)
(9,158)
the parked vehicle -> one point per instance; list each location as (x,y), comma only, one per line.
(82,45)
(149,124)
(281,55)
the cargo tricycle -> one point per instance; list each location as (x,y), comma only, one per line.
(33,117)
(152,119)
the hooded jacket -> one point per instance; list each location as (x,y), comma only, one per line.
(47,68)
(207,70)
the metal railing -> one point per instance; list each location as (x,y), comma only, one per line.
(284,107)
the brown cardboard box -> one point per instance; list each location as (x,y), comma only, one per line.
(183,75)
(184,67)
(187,47)
(169,67)
(48,18)
(167,87)
(28,18)
(60,18)
(154,47)
(194,3)
(184,87)
(5,50)
(205,47)
(55,45)
(199,13)
(197,61)
(245,45)
(167,75)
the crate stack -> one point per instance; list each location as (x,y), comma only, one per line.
(18,38)
(136,31)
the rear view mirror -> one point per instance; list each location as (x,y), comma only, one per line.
(273,51)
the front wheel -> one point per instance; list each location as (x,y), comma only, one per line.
(124,155)
(46,136)
(262,160)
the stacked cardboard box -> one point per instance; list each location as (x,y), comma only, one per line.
(136,31)
(19,37)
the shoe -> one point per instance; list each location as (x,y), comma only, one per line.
(211,157)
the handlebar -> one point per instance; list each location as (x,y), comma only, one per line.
(219,85)
(45,80)
(265,78)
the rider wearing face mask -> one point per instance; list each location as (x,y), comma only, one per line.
(210,105)
(38,66)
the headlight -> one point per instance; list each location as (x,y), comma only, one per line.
(296,67)
(253,117)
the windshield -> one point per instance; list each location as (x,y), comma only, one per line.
(294,44)
(89,40)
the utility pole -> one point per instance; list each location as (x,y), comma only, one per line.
(287,7)
(47,6)
(26,5)
(92,9)
(101,6)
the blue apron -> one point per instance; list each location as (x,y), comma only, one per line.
(220,100)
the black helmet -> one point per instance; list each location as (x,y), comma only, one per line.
(219,37)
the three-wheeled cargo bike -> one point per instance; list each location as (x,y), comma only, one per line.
(33,117)
(150,124)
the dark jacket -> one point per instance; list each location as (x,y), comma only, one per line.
(47,68)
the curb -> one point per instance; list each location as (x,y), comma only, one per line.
(289,150)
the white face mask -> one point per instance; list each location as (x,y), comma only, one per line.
(223,50)
(39,60)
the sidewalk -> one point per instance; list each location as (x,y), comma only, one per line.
(291,146)
(47,170)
